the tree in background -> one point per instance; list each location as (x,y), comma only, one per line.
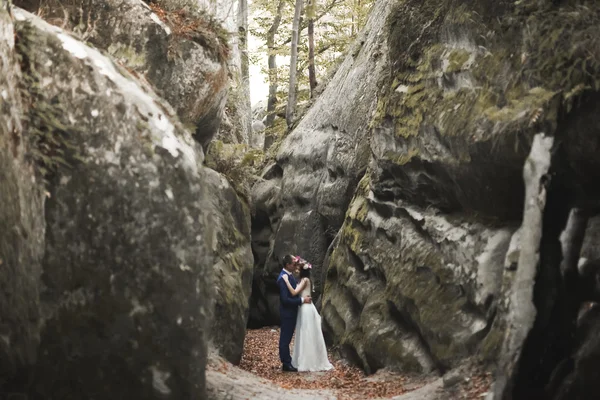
(292,98)
(312,79)
(327,29)
(272,71)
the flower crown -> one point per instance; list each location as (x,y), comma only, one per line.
(305,264)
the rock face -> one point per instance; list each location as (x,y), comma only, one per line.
(425,298)
(439,103)
(454,122)
(266,216)
(237,118)
(232,265)
(21,219)
(413,260)
(126,290)
(321,162)
(188,68)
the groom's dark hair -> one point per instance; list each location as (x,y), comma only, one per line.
(287,259)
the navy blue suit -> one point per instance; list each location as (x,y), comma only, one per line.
(288,310)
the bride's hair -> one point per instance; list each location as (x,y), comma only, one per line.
(305,273)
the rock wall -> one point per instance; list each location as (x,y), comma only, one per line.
(110,279)
(439,103)
(232,265)
(320,163)
(190,60)
(126,276)
(412,288)
(21,218)
(183,58)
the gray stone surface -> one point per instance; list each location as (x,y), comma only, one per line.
(322,160)
(441,102)
(127,286)
(232,266)
(21,219)
(190,76)
(226,382)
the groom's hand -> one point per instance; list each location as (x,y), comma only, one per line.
(307,300)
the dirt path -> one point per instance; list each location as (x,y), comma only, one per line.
(259,377)
(227,382)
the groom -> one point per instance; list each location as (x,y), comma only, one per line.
(288,310)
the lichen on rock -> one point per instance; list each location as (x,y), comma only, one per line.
(232,263)
(22,225)
(127,286)
(431,282)
(181,54)
(461,90)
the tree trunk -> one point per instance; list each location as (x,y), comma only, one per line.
(272,63)
(353,22)
(312,78)
(242,24)
(291,105)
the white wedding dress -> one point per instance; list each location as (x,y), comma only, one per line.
(310,353)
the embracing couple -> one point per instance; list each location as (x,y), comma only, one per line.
(298,312)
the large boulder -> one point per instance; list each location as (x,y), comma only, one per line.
(266,216)
(321,161)
(21,218)
(177,51)
(412,288)
(458,107)
(444,99)
(126,292)
(233,263)
(183,57)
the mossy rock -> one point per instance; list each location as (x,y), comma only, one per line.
(471,89)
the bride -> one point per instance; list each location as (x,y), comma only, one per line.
(310,353)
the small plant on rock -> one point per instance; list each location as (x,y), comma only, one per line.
(239,164)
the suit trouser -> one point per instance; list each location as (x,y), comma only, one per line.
(285,337)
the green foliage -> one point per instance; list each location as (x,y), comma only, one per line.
(279,132)
(337,22)
(51,141)
(239,164)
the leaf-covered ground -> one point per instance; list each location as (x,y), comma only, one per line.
(261,357)
(346,382)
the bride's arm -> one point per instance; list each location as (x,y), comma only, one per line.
(298,288)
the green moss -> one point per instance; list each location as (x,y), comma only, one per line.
(362,212)
(511,91)
(456,60)
(364,185)
(412,96)
(521,106)
(52,144)
(403,158)
(491,345)
(133,59)
(237,163)
(351,237)
(562,47)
